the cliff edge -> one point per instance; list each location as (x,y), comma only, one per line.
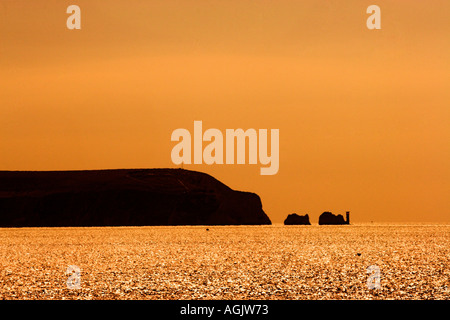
(124,197)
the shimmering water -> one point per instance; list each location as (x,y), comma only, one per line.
(261,262)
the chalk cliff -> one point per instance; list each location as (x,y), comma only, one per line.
(125,197)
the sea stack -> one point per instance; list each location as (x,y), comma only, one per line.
(329,218)
(126,197)
(295,219)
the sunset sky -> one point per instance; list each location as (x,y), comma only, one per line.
(363,114)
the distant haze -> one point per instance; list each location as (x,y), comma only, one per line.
(363,114)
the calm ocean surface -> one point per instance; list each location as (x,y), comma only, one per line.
(408,261)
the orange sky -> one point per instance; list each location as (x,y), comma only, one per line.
(363,114)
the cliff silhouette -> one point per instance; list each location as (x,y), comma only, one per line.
(295,219)
(123,197)
(329,218)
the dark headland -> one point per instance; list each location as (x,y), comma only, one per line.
(125,197)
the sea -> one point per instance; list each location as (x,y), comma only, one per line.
(276,262)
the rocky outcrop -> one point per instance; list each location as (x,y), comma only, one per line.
(329,218)
(295,219)
(134,197)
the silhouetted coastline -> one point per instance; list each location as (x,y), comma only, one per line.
(124,197)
